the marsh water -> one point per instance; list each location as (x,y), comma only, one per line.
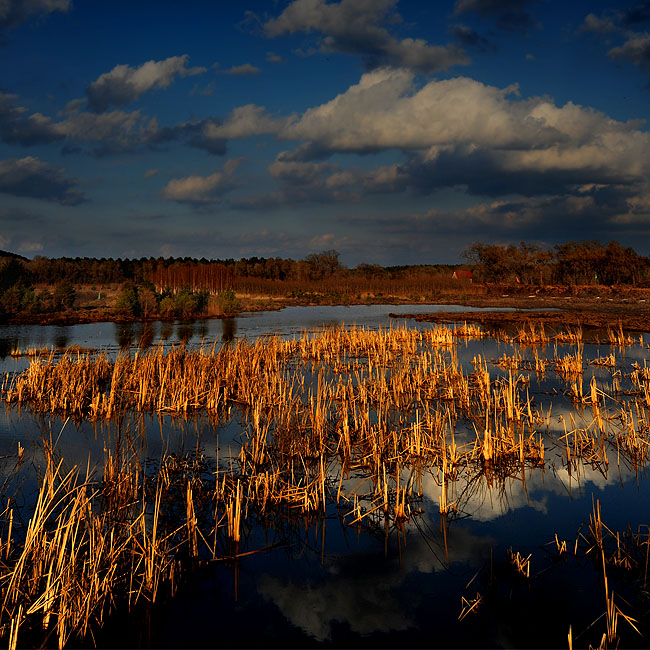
(324,582)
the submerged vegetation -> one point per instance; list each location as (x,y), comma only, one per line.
(348,422)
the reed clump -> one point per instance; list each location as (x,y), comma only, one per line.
(315,410)
(620,338)
(89,546)
(532,334)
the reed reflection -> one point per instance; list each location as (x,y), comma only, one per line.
(185,332)
(202,329)
(7,345)
(166,330)
(228,329)
(61,337)
(146,335)
(124,335)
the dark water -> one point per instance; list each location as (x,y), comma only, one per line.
(288,322)
(323,583)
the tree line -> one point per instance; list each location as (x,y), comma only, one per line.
(213,275)
(572,263)
(181,285)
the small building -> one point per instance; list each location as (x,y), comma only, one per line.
(462,274)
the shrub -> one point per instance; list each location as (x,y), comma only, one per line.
(167,307)
(129,300)
(64,295)
(228,302)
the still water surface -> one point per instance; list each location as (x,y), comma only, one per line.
(328,584)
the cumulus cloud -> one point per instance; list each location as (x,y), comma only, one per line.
(124,84)
(17,127)
(109,132)
(299,173)
(487,172)
(527,218)
(304,181)
(14,12)
(199,134)
(510,15)
(202,190)
(385,110)
(636,49)
(112,132)
(636,209)
(357,27)
(245,121)
(461,119)
(617,19)
(455,133)
(30,177)
(636,46)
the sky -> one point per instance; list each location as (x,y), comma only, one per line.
(395,132)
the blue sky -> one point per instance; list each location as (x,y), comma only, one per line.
(393,132)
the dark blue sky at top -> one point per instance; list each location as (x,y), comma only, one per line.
(394,132)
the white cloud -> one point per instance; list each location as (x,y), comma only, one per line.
(245,121)
(469,120)
(123,84)
(202,190)
(385,110)
(356,27)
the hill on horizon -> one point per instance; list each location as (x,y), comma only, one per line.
(13,255)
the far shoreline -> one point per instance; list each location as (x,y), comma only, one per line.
(593,307)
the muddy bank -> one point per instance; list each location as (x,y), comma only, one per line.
(630,317)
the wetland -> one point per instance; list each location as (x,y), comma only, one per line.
(325,477)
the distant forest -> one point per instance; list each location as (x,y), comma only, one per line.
(197,274)
(585,262)
(569,264)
